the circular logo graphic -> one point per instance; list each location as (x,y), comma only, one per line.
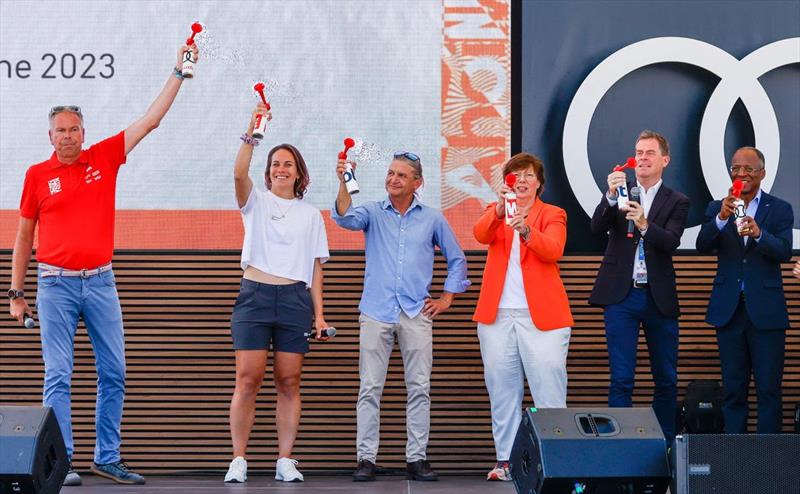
(738,79)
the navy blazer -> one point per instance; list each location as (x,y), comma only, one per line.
(666,222)
(758,264)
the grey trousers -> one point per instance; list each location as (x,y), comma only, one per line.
(376,339)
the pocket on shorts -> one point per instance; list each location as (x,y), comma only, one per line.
(303,296)
(247,290)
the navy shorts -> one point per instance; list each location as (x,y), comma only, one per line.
(276,316)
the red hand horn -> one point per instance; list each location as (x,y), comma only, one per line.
(737,188)
(196,28)
(631,163)
(259,88)
(348,143)
(511,179)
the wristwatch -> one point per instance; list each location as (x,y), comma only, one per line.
(15,294)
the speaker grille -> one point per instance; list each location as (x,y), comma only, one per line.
(763,464)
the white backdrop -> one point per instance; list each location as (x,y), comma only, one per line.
(368,69)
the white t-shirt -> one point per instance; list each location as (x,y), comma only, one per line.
(282,237)
(513,289)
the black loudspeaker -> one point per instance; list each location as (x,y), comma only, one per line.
(736,463)
(590,451)
(33,459)
(702,408)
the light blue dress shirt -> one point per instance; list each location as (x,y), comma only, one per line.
(399,252)
(750,211)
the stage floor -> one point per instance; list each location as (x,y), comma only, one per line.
(316,484)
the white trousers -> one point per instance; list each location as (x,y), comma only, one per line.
(513,348)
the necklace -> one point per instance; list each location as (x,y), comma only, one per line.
(283,213)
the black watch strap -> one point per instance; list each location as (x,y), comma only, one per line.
(15,294)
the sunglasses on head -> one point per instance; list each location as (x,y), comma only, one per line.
(68,108)
(407,155)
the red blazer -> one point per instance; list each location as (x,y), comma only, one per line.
(544,290)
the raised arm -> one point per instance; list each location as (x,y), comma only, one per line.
(343,199)
(159,107)
(241,167)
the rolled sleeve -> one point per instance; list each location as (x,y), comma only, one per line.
(355,218)
(456,281)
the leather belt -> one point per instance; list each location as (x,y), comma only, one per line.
(637,284)
(46,270)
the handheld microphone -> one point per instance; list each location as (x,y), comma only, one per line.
(635,195)
(327,332)
(29,322)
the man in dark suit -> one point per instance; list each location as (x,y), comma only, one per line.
(747,303)
(636,281)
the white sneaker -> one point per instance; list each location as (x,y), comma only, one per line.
(237,472)
(286,470)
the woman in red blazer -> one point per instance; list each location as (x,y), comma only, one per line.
(523,315)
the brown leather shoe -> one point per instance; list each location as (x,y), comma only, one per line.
(364,472)
(420,470)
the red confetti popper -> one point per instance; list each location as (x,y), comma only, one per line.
(348,143)
(187,68)
(631,163)
(259,89)
(349,174)
(260,126)
(737,188)
(196,28)
(511,198)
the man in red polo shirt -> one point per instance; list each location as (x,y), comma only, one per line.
(71,197)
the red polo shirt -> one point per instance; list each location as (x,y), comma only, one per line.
(74,205)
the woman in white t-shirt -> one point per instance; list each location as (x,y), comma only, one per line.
(281,293)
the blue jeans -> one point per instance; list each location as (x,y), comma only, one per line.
(622,322)
(60,302)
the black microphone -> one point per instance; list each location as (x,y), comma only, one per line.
(29,322)
(634,195)
(329,332)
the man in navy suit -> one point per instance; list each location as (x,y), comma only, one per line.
(636,281)
(747,303)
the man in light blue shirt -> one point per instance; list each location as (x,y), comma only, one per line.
(401,234)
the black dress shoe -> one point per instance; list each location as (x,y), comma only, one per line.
(364,472)
(420,470)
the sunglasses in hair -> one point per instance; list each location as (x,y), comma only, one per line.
(407,155)
(68,108)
